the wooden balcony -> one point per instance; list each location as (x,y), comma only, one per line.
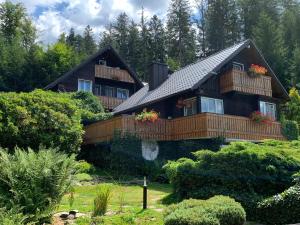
(236,80)
(110,102)
(199,126)
(111,73)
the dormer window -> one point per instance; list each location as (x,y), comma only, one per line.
(238,66)
(102,62)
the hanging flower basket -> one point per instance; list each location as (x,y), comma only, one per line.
(256,71)
(146,116)
(260,118)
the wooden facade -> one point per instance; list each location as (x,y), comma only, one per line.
(240,81)
(110,102)
(106,72)
(204,125)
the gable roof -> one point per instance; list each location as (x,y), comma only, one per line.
(188,78)
(89,59)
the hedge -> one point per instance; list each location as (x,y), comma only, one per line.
(247,172)
(282,208)
(219,210)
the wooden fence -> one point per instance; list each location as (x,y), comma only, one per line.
(112,73)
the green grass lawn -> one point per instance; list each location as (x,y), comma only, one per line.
(132,210)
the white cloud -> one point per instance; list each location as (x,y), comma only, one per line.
(52,17)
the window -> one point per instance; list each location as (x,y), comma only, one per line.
(102,62)
(268,109)
(212,105)
(238,66)
(97,89)
(190,107)
(109,91)
(122,93)
(85,85)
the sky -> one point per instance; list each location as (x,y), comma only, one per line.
(52,17)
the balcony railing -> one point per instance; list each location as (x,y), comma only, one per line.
(111,73)
(235,80)
(205,125)
(110,102)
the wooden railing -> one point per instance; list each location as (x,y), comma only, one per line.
(106,72)
(236,80)
(205,125)
(110,102)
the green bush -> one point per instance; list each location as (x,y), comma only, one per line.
(83,166)
(290,129)
(247,172)
(101,200)
(281,208)
(40,118)
(83,177)
(34,181)
(91,109)
(219,210)
(12,217)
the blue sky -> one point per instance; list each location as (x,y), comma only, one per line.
(52,17)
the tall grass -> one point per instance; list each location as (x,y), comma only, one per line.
(102,199)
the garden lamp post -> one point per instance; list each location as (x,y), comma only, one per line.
(145,194)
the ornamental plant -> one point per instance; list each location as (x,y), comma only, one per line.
(257,70)
(146,116)
(259,117)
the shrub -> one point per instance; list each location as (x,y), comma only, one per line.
(290,129)
(83,166)
(40,118)
(83,177)
(101,200)
(247,172)
(11,217)
(219,210)
(34,181)
(281,208)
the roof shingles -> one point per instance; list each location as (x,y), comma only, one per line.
(181,80)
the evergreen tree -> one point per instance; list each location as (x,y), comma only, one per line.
(250,11)
(106,37)
(180,35)
(201,25)
(133,41)
(222,28)
(89,43)
(120,34)
(269,41)
(157,40)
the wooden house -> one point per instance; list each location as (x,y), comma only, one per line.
(105,74)
(213,97)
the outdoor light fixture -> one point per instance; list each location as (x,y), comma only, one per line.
(145,193)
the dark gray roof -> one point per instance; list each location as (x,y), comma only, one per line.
(92,57)
(187,78)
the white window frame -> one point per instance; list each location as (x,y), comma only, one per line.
(123,89)
(263,109)
(240,65)
(194,107)
(84,82)
(215,100)
(102,62)
(110,87)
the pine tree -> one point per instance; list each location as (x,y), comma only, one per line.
(201,25)
(294,68)
(88,41)
(250,10)
(180,35)
(133,41)
(120,34)
(222,28)
(269,40)
(157,40)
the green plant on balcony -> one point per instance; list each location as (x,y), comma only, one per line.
(256,71)
(147,116)
(260,118)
